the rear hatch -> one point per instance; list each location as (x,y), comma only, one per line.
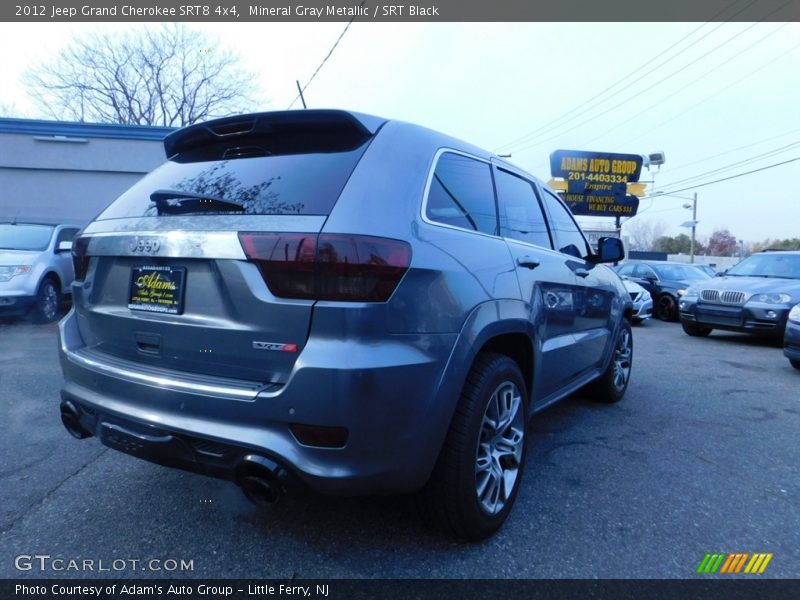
(172,274)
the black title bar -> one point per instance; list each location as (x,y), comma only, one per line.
(708,588)
(402,11)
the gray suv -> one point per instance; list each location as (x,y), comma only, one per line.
(329,298)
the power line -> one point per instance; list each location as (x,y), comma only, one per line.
(694,187)
(695,80)
(769,63)
(571,112)
(661,194)
(740,163)
(324,60)
(732,150)
(572,115)
(647,89)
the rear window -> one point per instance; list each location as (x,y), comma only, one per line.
(292,184)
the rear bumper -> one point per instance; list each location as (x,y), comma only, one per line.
(760,319)
(388,395)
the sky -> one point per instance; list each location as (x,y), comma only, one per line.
(718,99)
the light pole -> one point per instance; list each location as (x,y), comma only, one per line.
(692,223)
(694,226)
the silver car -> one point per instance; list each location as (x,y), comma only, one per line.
(359,305)
(36,269)
(642,300)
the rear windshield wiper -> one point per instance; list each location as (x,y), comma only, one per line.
(175,202)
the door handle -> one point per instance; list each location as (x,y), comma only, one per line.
(581,272)
(527,262)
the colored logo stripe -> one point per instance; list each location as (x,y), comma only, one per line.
(710,563)
(734,563)
(758,563)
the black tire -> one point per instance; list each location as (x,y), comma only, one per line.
(666,308)
(48,302)
(794,363)
(695,330)
(637,321)
(612,384)
(450,500)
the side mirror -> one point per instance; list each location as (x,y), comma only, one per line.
(64,247)
(609,250)
(720,273)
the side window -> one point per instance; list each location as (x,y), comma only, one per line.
(462,195)
(647,272)
(521,216)
(627,270)
(568,237)
(65,235)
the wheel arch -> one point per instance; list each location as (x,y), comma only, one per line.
(51,274)
(496,325)
(518,346)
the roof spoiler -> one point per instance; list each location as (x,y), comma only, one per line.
(271,133)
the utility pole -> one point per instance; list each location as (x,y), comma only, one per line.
(694,227)
(302,98)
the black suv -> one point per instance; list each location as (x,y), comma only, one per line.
(666,282)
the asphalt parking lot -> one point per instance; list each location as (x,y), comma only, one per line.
(701,456)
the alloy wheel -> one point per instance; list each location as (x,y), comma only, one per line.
(49,301)
(500,447)
(622,359)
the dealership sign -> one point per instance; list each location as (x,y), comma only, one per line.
(597,182)
(598,204)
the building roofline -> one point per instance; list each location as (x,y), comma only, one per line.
(83,130)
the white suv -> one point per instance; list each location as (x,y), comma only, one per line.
(35,269)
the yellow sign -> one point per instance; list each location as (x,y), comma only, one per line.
(634,189)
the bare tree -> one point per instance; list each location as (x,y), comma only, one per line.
(10,109)
(171,76)
(643,234)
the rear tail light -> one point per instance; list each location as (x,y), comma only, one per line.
(79,259)
(328,266)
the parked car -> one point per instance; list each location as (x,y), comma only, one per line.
(666,282)
(642,301)
(36,269)
(755,296)
(791,339)
(334,298)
